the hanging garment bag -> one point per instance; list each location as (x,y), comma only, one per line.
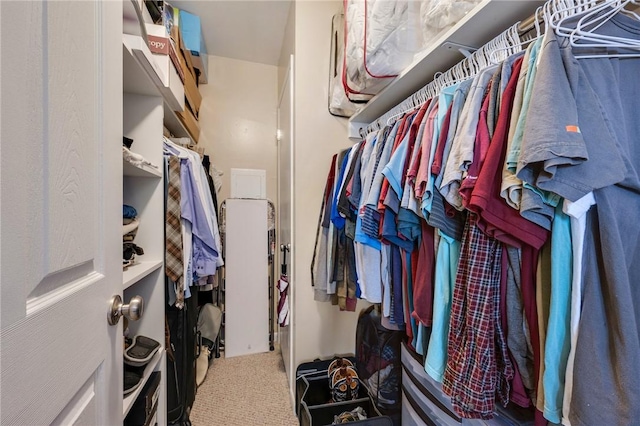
(378,360)
(381,39)
(339,103)
(357,86)
(181,359)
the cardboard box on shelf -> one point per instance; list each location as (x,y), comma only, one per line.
(190,122)
(191,91)
(193,39)
(171,21)
(163,46)
(182,60)
(192,94)
(165,57)
(185,60)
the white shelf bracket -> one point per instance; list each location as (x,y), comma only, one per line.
(464,49)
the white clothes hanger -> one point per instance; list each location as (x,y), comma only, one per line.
(591,21)
(592,15)
(515,44)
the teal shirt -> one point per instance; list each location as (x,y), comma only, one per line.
(445,278)
(557,344)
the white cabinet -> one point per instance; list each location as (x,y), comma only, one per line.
(143,188)
(246,277)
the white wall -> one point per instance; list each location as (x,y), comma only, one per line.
(285,184)
(288,46)
(238,119)
(321,330)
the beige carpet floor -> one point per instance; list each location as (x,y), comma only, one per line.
(247,390)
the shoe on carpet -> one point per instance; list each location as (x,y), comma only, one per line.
(202,364)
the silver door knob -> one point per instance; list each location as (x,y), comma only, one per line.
(132,311)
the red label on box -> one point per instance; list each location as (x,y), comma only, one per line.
(158,45)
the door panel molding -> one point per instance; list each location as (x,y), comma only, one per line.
(82,410)
(48,368)
(36,303)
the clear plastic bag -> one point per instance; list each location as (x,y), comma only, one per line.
(438,16)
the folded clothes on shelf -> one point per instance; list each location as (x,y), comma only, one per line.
(136,159)
(129,212)
(130,226)
(130,250)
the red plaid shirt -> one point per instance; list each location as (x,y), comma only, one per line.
(478,367)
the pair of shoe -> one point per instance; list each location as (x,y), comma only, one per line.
(202,364)
(343,380)
(132,378)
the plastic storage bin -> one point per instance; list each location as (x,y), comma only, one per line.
(313,398)
(320,415)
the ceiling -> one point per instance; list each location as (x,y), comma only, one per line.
(246,30)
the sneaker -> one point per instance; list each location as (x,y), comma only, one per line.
(345,384)
(132,379)
(202,364)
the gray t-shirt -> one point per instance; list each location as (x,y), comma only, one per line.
(461,155)
(583,134)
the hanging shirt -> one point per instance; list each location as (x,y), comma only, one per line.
(424,171)
(409,200)
(413,202)
(452,221)
(201,238)
(367,249)
(370,214)
(517,328)
(504,223)
(348,206)
(407,229)
(478,368)
(336,217)
(457,105)
(511,187)
(479,152)
(577,211)
(444,101)
(556,351)
(495,217)
(448,255)
(588,142)
(494,101)
(461,154)
(370,157)
(451,224)
(332,242)
(191,206)
(319,268)
(392,199)
(536,205)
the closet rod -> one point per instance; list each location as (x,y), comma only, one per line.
(530,23)
(419,97)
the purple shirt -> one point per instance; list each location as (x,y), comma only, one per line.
(205,252)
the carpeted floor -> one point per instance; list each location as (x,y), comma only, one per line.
(247,390)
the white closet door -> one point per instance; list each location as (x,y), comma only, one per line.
(246,278)
(285,211)
(61,186)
